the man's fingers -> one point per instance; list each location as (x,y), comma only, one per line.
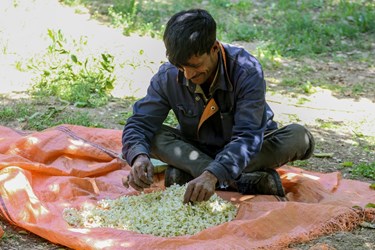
(188,193)
(133,184)
(202,195)
(141,176)
(128,181)
(141,180)
(195,193)
(125,181)
(208,196)
(150,173)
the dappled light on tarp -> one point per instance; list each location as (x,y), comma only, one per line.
(103,244)
(33,195)
(54,188)
(31,141)
(19,191)
(80,230)
(26,145)
(291,176)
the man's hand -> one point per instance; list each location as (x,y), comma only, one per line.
(141,174)
(201,188)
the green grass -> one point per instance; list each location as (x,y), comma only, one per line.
(17,111)
(300,163)
(329,124)
(53,117)
(34,117)
(365,170)
(347,164)
(286,27)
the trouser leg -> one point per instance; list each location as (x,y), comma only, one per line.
(169,146)
(289,143)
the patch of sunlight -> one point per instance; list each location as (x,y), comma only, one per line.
(246,197)
(22,36)
(54,188)
(350,142)
(4,175)
(272,80)
(19,183)
(31,140)
(177,151)
(312,177)
(291,176)
(80,230)
(76,144)
(103,243)
(193,155)
(34,210)
(127,244)
(324,106)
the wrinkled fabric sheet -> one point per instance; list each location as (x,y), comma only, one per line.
(42,173)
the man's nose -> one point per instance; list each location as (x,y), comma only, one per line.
(189,73)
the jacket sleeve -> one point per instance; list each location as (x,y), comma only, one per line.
(250,121)
(148,115)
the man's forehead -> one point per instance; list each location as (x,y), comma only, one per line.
(196,60)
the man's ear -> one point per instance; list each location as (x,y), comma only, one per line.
(216,46)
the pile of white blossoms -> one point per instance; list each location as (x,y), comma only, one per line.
(160,213)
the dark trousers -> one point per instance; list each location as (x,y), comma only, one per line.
(280,146)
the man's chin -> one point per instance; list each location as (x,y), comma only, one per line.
(198,81)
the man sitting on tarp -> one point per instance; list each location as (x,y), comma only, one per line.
(226,136)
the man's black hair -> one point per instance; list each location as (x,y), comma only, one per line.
(189,33)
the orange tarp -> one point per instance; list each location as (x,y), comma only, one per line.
(41,173)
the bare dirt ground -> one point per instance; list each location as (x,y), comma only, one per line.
(350,116)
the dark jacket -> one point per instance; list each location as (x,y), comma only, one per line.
(235,133)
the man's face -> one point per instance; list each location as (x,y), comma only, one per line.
(200,68)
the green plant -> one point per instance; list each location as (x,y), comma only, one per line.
(17,111)
(347,164)
(307,87)
(299,163)
(86,81)
(328,124)
(6,113)
(302,100)
(365,169)
(171,119)
(54,116)
(270,59)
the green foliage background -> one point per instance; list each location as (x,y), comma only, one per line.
(287,27)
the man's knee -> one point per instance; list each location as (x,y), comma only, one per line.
(303,139)
(163,137)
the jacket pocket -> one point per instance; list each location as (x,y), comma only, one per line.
(187,110)
(188,119)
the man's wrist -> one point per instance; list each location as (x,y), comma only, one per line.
(140,157)
(210,176)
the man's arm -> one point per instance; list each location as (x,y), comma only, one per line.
(148,116)
(250,121)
